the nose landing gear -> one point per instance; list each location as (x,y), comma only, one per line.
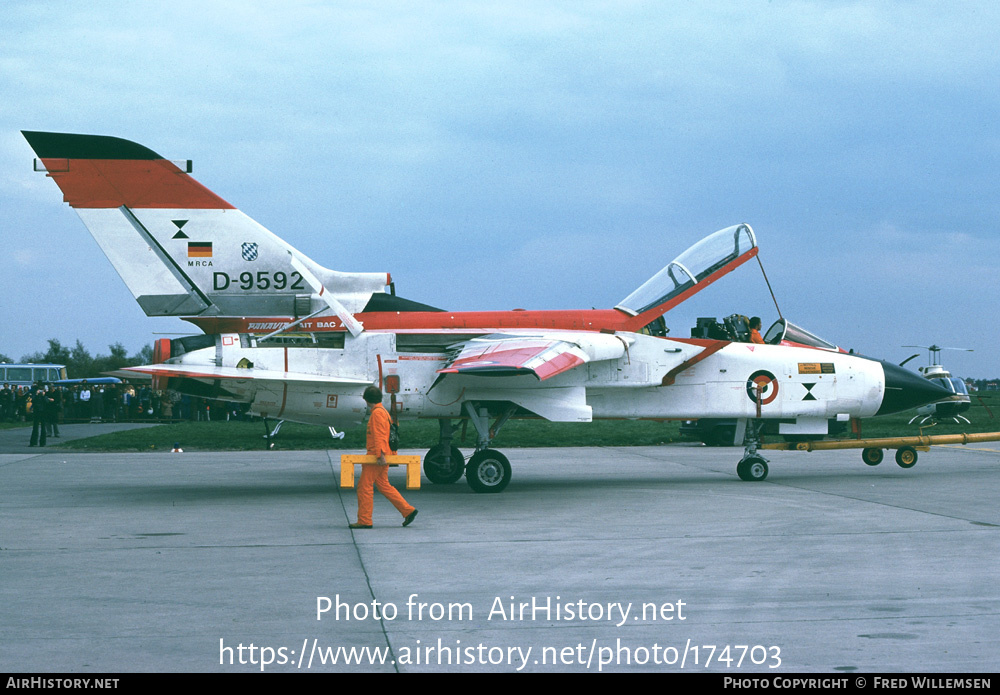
(752,467)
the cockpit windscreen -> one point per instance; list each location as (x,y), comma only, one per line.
(782,330)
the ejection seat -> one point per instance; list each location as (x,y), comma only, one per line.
(738,328)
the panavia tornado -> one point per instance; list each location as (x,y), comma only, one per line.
(297,341)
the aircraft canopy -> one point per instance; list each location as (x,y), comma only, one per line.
(700,265)
(784,332)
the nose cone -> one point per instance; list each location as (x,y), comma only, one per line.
(905,389)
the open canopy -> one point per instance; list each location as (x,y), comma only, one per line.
(698,267)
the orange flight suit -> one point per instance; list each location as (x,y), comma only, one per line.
(374,475)
(755,336)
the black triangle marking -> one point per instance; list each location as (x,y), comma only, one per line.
(180,235)
(809,396)
(179,223)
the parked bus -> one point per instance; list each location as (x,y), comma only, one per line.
(28,374)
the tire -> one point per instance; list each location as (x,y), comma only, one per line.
(488,471)
(906,457)
(753,469)
(872,456)
(439,472)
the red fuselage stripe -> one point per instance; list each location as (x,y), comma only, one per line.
(476,321)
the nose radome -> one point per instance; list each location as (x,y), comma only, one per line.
(905,389)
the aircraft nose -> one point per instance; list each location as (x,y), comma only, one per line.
(905,390)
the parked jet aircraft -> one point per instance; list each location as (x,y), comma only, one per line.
(300,342)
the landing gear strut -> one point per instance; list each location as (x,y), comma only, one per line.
(752,467)
(488,470)
(269,434)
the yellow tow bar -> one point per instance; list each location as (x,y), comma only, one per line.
(906,447)
(921,442)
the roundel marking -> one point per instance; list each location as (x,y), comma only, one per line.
(767,383)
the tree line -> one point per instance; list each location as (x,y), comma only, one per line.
(81,364)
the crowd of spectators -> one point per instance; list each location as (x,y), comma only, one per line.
(121,402)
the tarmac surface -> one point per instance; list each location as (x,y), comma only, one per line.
(614,558)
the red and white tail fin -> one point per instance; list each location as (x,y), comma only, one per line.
(181,249)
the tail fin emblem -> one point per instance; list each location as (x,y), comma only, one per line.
(249,251)
(199,249)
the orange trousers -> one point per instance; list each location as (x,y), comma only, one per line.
(376,476)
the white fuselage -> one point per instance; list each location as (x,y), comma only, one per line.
(740,380)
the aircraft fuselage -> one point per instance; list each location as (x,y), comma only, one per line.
(737,380)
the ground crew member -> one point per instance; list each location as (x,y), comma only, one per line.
(755,331)
(377,474)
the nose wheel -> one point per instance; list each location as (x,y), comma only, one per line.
(752,469)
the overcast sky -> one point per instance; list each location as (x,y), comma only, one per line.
(536,155)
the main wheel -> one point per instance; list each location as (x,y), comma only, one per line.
(488,471)
(872,456)
(752,469)
(906,457)
(440,471)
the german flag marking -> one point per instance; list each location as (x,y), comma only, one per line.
(199,249)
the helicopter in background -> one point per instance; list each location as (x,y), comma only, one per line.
(952,408)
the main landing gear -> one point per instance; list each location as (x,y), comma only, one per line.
(752,467)
(487,470)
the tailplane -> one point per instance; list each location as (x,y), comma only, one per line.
(181,249)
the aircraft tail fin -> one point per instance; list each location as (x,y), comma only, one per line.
(180,248)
